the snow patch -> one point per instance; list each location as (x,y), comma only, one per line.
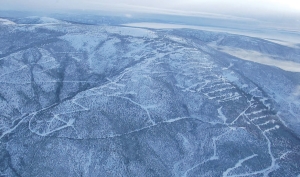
(221,115)
(296,92)
(231,77)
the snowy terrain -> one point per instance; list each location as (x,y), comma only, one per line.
(98,100)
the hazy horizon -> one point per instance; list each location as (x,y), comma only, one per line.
(251,10)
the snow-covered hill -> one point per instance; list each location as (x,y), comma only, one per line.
(6,22)
(88,100)
(38,20)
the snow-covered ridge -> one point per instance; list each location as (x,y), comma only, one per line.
(129,31)
(6,22)
(39,20)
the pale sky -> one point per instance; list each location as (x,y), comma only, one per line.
(227,7)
